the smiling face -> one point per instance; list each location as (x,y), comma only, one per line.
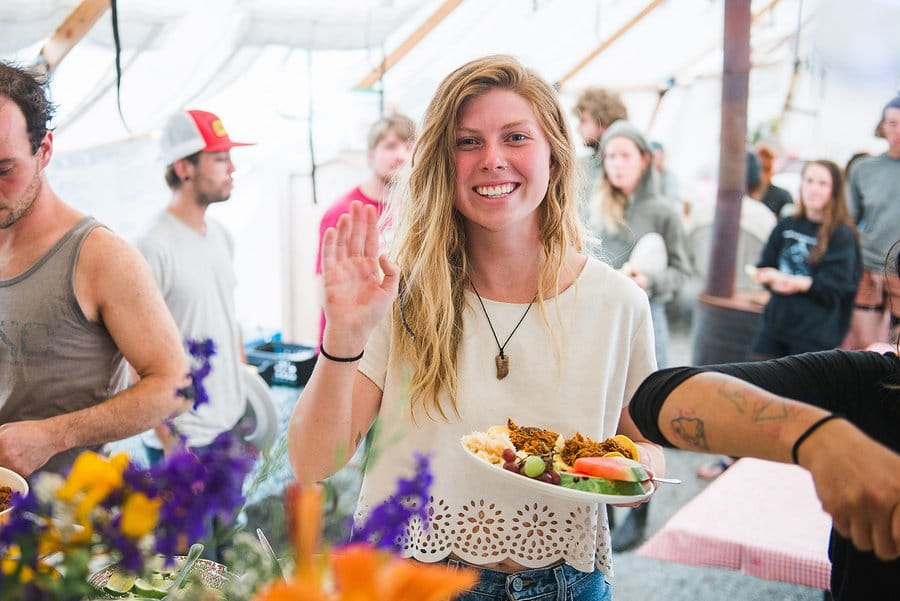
(503,162)
(623,164)
(815,191)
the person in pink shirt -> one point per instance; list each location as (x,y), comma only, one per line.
(389,147)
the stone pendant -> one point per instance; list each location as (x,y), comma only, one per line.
(502,366)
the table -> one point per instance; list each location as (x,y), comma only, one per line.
(758,517)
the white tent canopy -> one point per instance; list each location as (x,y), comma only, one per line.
(269,68)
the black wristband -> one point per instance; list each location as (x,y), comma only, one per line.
(809,431)
(339,359)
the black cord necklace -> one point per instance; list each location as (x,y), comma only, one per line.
(502,360)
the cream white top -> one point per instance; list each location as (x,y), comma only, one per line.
(605,340)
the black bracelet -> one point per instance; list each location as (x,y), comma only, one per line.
(809,431)
(339,359)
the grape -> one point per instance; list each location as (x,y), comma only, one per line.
(509,455)
(545,477)
(534,466)
(511,466)
(554,476)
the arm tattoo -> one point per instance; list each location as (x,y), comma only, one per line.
(765,411)
(736,397)
(692,431)
(359,437)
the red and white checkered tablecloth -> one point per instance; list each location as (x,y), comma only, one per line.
(759,517)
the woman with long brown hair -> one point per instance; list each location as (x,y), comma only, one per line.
(811,264)
(500,315)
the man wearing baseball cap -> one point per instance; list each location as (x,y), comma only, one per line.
(191,258)
(874,197)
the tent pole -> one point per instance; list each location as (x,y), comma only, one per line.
(69,33)
(732,149)
(608,42)
(409,43)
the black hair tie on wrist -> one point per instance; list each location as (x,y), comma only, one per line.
(796,448)
(325,354)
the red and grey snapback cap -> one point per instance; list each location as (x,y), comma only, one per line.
(187,132)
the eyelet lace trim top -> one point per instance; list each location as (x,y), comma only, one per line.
(603,338)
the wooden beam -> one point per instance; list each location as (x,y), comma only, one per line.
(409,43)
(732,149)
(71,31)
(609,41)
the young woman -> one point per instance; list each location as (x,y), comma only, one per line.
(500,315)
(626,208)
(811,264)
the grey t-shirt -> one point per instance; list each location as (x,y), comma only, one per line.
(195,274)
(874,196)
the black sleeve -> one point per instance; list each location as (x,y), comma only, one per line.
(836,274)
(838,381)
(769,255)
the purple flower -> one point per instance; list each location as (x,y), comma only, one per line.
(386,523)
(200,351)
(131,557)
(194,486)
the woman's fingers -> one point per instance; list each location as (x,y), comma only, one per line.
(391,275)
(358,229)
(371,242)
(341,240)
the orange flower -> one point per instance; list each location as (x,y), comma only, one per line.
(292,591)
(360,572)
(303,510)
(405,580)
(356,569)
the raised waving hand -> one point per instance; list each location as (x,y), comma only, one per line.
(357,296)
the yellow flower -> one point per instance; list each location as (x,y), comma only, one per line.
(91,480)
(10,563)
(139,515)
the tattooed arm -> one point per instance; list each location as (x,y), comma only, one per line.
(856,478)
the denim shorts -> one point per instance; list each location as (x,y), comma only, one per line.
(559,583)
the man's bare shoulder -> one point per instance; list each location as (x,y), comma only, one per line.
(109,270)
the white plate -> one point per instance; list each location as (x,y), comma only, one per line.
(13,480)
(553,489)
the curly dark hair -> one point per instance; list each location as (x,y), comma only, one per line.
(26,89)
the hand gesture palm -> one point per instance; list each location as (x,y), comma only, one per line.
(356,296)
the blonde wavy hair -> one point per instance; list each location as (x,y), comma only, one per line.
(429,243)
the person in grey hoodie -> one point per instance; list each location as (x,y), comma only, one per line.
(626,209)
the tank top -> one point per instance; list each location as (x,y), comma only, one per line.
(52,359)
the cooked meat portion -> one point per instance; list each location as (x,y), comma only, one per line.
(579,446)
(5,497)
(534,441)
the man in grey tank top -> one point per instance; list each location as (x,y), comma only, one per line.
(76,303)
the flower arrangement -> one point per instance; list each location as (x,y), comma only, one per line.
(366,569)
(115,512)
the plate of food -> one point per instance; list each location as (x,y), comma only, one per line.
(118,584)
(10,482)
(575,468)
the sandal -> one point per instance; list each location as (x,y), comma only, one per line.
(714,469)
